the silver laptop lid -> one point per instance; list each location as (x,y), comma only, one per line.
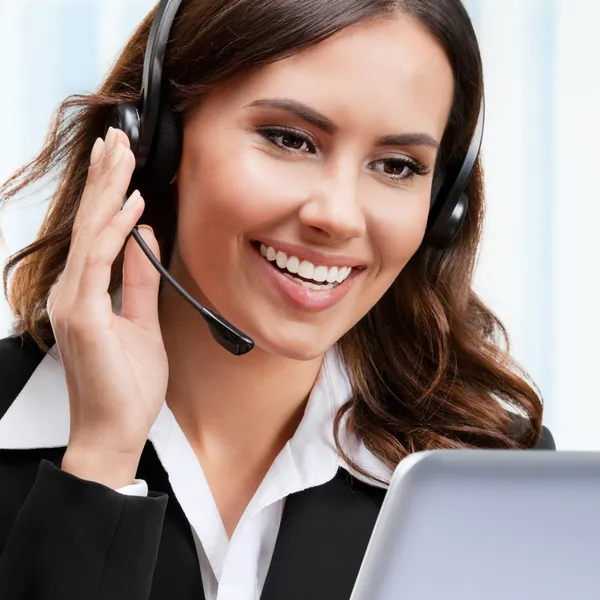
(489,524)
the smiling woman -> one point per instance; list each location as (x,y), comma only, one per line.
(296,202)
(278,159)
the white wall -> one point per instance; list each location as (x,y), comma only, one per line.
(540,253)
(576,218)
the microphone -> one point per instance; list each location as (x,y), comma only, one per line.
(224,333)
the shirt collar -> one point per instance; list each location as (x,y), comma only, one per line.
(39,418)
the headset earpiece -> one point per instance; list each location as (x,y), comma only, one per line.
(161,163)
(164,157)
(443,230)
(449,200)
(126,118)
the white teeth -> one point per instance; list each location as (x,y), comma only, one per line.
(343,273)
(320,274)
(281,259)
(314,286)
(293,264)
(306,270)
(328,277)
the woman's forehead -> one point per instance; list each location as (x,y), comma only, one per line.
(388,73)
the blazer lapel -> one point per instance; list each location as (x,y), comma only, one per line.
(177,572)
(322,540)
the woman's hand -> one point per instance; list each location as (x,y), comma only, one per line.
(116,366)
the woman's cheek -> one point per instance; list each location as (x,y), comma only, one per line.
(252,190)
(400,234)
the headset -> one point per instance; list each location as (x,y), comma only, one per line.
(155,135)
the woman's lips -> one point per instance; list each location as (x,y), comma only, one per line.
(297,294)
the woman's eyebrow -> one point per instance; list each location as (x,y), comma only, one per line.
(310,115)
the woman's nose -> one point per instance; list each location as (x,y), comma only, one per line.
(334,212)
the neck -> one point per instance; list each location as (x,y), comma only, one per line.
(230,406)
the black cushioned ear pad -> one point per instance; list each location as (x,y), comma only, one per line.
(438,180)
(165,154)
(435,201)
(153,179)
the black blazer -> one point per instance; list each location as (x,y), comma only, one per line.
(63,538)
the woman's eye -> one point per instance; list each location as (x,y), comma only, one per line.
(400,169)
(288,140)
(294,142)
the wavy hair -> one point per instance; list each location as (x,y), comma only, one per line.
(429,364)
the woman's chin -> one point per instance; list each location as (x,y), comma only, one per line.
(295,341)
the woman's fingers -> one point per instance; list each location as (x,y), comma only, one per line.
(95,275)
(97,173)
(107,192)
(102,228)
(141,282)
(104,199)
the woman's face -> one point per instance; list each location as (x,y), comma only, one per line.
(323,160)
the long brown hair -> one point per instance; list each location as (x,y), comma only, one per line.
(430,363)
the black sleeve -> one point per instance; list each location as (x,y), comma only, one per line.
(19,358)
(80,540)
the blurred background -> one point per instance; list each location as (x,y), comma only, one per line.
(538,267)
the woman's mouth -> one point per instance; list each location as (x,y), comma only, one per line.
(303,271)
(307,285)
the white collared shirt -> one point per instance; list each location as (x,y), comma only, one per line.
(231,569)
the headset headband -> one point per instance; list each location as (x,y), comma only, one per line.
(152,75)
(459,184)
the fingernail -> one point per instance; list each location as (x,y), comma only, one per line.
(97,152)
(147,228)
(132,200)
(111,138)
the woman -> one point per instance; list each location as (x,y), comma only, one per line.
(287,217)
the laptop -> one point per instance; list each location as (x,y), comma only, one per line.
(487,525)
